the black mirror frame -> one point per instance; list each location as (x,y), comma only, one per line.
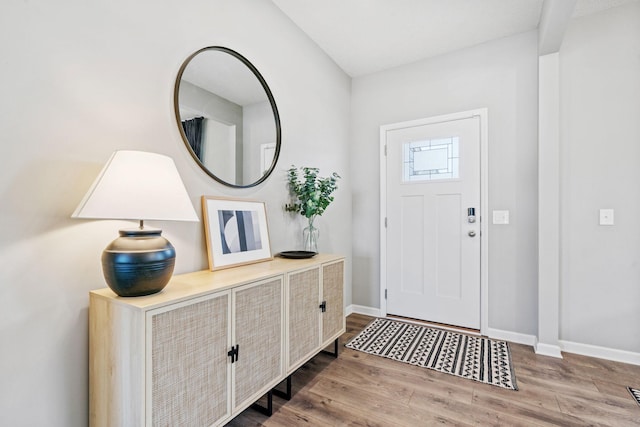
(274,108)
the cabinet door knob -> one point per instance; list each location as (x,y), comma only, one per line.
(323,306)
(233,353)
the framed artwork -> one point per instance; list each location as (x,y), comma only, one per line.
(236,232)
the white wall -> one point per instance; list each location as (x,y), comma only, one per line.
(82,79)
(222,130)
(502,76)
(600,137)
(258,129)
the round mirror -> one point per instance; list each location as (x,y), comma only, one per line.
(227,117)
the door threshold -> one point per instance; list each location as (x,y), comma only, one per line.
(444,326)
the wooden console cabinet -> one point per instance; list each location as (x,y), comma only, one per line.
(315,311)
(211,343)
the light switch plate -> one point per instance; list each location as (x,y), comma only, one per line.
(606,216)
(501,217)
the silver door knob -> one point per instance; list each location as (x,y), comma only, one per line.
(472,233)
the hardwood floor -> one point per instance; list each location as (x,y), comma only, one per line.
(358,389)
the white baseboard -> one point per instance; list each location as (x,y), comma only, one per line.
(601,352)
(548,350)
(362,309)
(515,337)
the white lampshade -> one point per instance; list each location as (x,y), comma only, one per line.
(137,185)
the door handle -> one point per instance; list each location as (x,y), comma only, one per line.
(472,233)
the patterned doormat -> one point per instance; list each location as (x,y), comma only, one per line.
(472,357)
(635,393)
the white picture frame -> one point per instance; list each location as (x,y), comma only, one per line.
(236,232)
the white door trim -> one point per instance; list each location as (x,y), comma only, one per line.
(482,113)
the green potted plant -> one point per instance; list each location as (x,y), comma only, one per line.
(311,196)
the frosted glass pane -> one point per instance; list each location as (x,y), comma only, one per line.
(430,160)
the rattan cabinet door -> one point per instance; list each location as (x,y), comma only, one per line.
(304,316)
(258,333)
(333,320)
(189,372)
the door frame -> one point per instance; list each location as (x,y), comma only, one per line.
(482,114)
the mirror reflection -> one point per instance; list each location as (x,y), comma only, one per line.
(227,117)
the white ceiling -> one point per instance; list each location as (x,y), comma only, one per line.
(366,36)
(225,76)
(587,7)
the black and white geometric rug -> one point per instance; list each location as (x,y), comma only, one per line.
(635,393)
(467,356)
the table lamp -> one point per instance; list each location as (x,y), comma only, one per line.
(136,185)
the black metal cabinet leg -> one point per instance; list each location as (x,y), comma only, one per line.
(268,410)
(335,349)
(284,394)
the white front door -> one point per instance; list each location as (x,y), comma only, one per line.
(432,226)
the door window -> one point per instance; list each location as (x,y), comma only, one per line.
(430,160)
